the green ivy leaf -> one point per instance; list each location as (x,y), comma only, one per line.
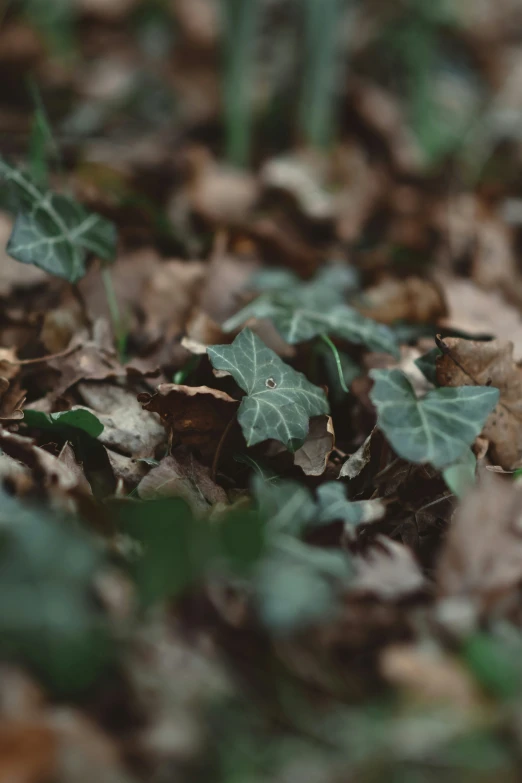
(287,506)
(427,364)
(78,418)
(48,617)
(299,584)
(173,547)
(279,401)
(333,505)
(437,428)
(301,311)
(54,232)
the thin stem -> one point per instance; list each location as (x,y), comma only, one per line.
(333,348)
(219,449)
(239,23)
(321,34)
(114,310)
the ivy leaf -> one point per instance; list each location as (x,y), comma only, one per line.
(301,311)
(78,418)
(173,547)
(54,232)
(48,618)
(333,505)
(297,324)
(427,364)
(435,429)
(279,401)
(300,584)
(287,506)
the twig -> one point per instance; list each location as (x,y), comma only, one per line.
(219,449)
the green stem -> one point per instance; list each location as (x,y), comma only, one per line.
(120,332)
(321,34)
(333,348)
(239,23)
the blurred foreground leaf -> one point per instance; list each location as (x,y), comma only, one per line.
(48,615)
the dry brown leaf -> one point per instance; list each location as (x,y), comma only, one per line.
(467,362)
(313,455)
(12,398)
(220,194)
(84,751)
(476,312)
(388,571)
(414,300)
(195,416)
(127,429)
(180,475)
(304,176)
(168,297)
(28,752)
(68,458)
(430,675)
(482,556)
(47,471)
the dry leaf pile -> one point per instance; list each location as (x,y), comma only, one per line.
(260,502)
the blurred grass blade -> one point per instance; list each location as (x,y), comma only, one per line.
(320,76)
(239,36)
(42,144)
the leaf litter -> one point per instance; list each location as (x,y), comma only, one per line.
(260,436)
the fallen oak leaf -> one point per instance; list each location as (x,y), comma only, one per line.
(435,429)
(195,416)
(182,476)
(489,363)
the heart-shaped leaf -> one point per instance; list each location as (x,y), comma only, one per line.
(279,401)
(435,429)
(54,232)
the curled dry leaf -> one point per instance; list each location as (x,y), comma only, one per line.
(489,363)
(28,751)
(12,399)
(482,556)
(477,312)
(195,416)
(313,455)
(430,675)
(414,300)
(357,462)
(47,471)
(180,475)
(388,571)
